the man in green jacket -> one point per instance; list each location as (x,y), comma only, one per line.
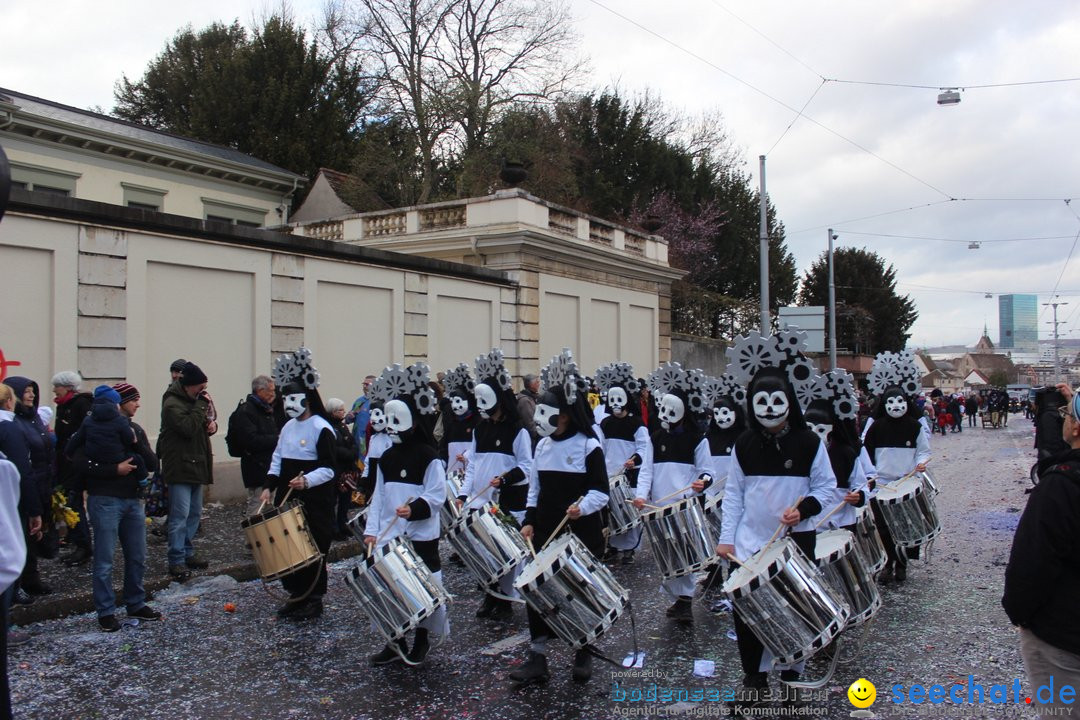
(187,462)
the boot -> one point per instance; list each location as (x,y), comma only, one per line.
(582,665)
(504,611)
(486,607)
(682,610)
(886,575)
(420,647)
(388,655)
(901,572)
(309,610)
(79,557)
(534,669)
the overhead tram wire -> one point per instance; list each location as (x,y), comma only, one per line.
(957,240)
(766,95)
(1068,204)
(796,118)
(951,85)
(769,40)
(836,225)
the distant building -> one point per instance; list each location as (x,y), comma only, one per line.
(1018,322)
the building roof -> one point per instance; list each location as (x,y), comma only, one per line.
(36,117)
(988,363)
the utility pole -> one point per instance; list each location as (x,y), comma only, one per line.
(1057,359)
(832,305)
(766,324)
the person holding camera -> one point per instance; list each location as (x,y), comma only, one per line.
(188,461)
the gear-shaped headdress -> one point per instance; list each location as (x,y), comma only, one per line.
(784,350)
(891,368)
(492,367)
(296,367)
(410,384)
(563,372)
(671,376)
(717,388)
(459,380)
(837,388)
(618,374)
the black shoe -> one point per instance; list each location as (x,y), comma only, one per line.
(628,557)
(886,575)
(108,623)
(288,608)
(196,563)
(901,572)
(456,559)
(144,613)
(35,587)
(610,555)
(179,573)
(21,597)
(420,647)
(79,557)
(486,607)
(582,665)
(310,610)
(534,669)
(389,655)
(682,610)
(503,611)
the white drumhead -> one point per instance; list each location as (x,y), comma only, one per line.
(900,491)
(756,566)
(832,545)
(544,560)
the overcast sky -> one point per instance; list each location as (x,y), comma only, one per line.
(996,169)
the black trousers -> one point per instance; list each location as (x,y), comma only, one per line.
(318,505)
(750,648)
(899,558)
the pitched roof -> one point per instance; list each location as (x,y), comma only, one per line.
(30,107)
(353,191)
(988,363)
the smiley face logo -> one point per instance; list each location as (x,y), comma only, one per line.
(862,693)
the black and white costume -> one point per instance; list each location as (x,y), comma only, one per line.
(623,437)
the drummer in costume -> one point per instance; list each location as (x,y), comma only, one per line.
(898,446)
(780,474)
(410,488)
(681,464)
(459,417)
(625,441)
(569,465)
(831,415)
(303,465)
(378,442)
(500,458)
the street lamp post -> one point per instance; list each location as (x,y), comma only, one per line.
(764,236)
(832,305)
(1057,359)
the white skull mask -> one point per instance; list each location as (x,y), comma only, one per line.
(546,418)
(771,408)
(617,400)
(459,405)
(295,404)
(672,410)
(724,417)
(822,430)
(896,406)
(485,399)
(378,419)
(398,419)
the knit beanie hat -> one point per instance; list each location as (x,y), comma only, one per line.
(107,394)
(192,374)
(177,365)
(127,392)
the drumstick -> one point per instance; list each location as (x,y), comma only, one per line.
(391,525)
(466,503)
(682,490)
(654,507)
(531,548)
(831,513)
(782,526)
(732,558)
(560,525)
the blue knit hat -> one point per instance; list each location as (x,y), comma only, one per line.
(106,393)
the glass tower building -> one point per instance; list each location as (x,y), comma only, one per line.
(1018,322)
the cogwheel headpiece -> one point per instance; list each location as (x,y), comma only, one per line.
(563,372)
(616,374)
(459,380)
(406,383)
(672,376)
(492,367)
(296,367)
(752,352)
(838,388)
(894,369)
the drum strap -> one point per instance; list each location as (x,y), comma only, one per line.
(633,629)
(282,597)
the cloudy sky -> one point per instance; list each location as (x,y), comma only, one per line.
(883,165)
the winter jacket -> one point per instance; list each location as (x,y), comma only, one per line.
(102,478)
(13,447)
(70,413)
(105,435)
(184,444)
(39,443)
(256,429)
(1042,579)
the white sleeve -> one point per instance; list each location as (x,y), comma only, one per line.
(523,453)
(645,476)
(594,500)
(922,448)
(435,486)
(733,500)
(703,459)
(643,444)
(12,543)
(470,468)
(822,479)
(275,459)
(534,480)
(323,474)
(374,523)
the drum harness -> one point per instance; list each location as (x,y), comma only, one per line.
(281,597)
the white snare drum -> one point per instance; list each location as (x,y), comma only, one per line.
(681,540)
(846,570)
(576,595)
(786,602)
(395,589)
(449,513)
(488,547)
(622,515)
(928,481)
(714,515)
(280,541)
(357,523)
(910,512)
(868,540)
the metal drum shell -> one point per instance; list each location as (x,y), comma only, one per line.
(622,515)
(868,540)
(910,512)
(357,523)
(787,602)
(680,538)
(714,515)
(842,563)
(489,548)
(449,512)
(277,551)
(395,589)
(575,593)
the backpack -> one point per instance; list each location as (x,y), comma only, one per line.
(232,441)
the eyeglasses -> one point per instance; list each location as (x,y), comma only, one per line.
(1063,411)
